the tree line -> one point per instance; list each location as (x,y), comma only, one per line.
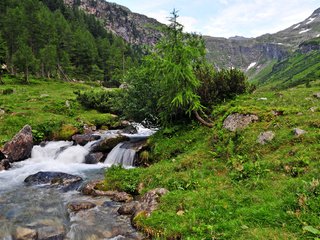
(48,39)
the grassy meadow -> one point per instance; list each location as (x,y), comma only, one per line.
(49,106)
(225,185)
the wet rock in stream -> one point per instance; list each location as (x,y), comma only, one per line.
(61,180)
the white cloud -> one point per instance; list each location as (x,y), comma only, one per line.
(227,18)
(189,23)
(256,17)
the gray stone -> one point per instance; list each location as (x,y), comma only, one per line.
(265,137)
(20,147)
(23,233)
(56,179)
(313,109)
(146,205)
(4,164)
(77,206)
(316,95)
(299,132)
(83,139)
(108,143)
(239,121)
(94,158)
(53,232)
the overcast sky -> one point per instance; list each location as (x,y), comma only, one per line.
(227,18)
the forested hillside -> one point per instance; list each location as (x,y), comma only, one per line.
(47,39)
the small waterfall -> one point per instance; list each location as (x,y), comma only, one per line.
(122,154)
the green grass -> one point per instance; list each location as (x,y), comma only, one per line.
(46,105)
(225,185)
(295,70)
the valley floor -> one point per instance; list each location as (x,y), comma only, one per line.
(223,185)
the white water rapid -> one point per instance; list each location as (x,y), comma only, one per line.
(43,209)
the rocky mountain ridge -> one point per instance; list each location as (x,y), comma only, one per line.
(249,54)
(134,28)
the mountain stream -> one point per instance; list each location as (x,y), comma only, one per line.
(42,210)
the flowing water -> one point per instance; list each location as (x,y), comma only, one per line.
(44,208)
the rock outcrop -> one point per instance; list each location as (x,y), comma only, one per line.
(20,147)
(134,28)
(239,121)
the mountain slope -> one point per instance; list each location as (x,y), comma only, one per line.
(303,66)
(253,54)
(134,28)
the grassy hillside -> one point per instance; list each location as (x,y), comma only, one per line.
(225,185)
(48,106)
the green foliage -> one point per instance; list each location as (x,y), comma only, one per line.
(45,105)
(299,68)
(174,80)
(105,101)
(130,179)
(225,185)
(60,42)
(218,86)
(166,78)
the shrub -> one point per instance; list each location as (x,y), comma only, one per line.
(220,85)
(102,100)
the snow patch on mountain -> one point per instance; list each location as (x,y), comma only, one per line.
(304,31)
(251,65)
(310,20)
(295,27)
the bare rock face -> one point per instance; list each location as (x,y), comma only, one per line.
(19,148)
(238,121)
(265,137)
(146,205)
(134,28)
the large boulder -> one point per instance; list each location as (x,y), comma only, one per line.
(83,139)
(146,205)
(106,144)
(61,180)
(20,147)
(237,121)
